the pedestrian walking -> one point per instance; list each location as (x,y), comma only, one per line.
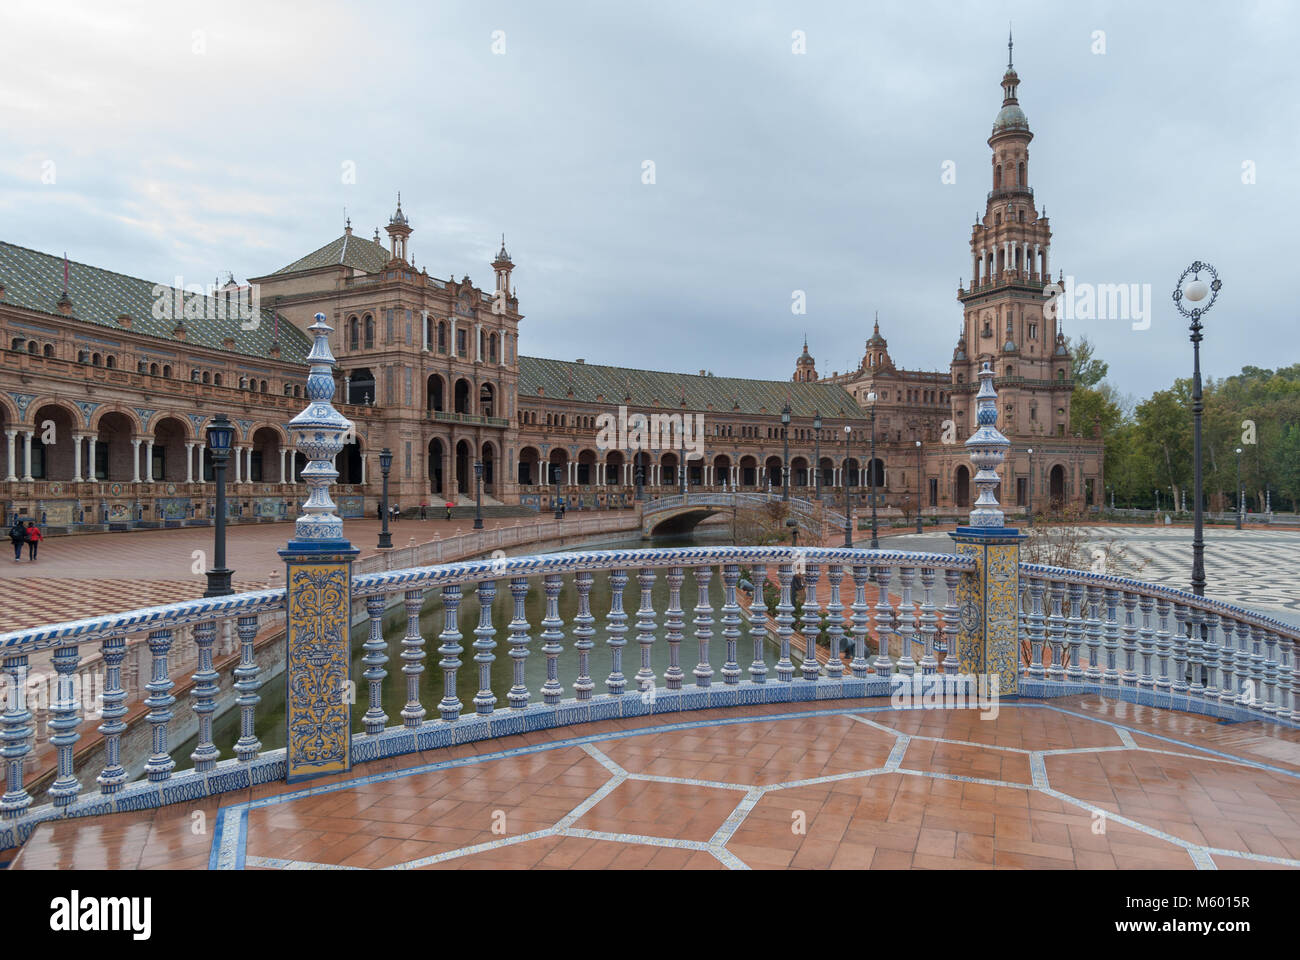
(448,511)
(34,537)
(424,511)
(18,536)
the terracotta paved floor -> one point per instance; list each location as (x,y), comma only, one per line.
(1081,783)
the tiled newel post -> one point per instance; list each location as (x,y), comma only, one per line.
(318,585)
(988,642)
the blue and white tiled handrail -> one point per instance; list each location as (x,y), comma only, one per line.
(1110,634)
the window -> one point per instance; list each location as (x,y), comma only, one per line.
(461,343)
(442,336)
(354,333)
(167,373)
(1033,331)
(388,325)
(370,331)
(216,379)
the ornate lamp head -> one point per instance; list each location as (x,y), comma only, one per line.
(988,448)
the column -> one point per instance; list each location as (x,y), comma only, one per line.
(239,464)
(424,335)
(11,436)
(135,459)
(974,269)
(1037,248)
(478,342)
(76,458)
(1047,270)
(189,462)
(90,456)
(202,448)
(282,453)
(148,460)
(363,469)
(27,456)
(248,467)
(987,642)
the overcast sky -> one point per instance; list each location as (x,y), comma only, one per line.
(192,139)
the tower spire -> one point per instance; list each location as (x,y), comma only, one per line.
(1009,43)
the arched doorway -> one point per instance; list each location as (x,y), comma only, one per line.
(529,474)
(348,463)
(1056,487)
(772,472)
(169,451)
(668,470)
(113,449)
(586,468)
(464,468)
(54,460)
(721,471)
(799,472)
(437,454)
(614,468)
(265,466)
(748,471)
(489,470)
(462,396)
(559,468)
(876,473)
(434,390)
(961,486)
(486,398)
(851,471)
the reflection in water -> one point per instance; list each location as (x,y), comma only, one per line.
(269,721)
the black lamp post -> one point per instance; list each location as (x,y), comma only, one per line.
(220,435)
(785,443)
(1195,291)
(385,464)
(1239,488)
(640,477)
(871,472)
(848,508)
(919,478)
(1030,509)
(817,452)
(478,494)
(793,524)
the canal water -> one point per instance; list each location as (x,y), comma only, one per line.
(269,720)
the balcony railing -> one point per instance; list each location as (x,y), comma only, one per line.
(446,416)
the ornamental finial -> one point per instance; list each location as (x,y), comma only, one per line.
(988,448)
(320,432)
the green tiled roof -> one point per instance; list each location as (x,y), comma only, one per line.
(651,388)
(350,251)
(34,281)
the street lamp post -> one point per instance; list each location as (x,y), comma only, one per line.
(478,494)
(1195,291)
(220,435)
(640,477)
(385,464)
(793,524)
(1239,488)
(1030,509)
(919,478)
(785,445)
(817,452)
(848,508)
(871,471)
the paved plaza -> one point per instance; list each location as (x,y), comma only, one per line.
(1078,783)
(95,574)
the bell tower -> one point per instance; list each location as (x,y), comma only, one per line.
(399,232)
(1005,323)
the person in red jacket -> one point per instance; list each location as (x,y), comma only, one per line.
(34,538)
